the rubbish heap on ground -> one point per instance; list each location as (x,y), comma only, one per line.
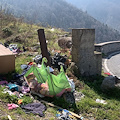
(40,80)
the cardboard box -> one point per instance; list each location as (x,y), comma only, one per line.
(7,60)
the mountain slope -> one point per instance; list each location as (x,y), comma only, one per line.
(60,14)
(106,11)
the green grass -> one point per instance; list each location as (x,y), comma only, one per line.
(88,105)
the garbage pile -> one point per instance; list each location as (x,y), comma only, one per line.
(56,61)
(37,79)
(14,48)
(40,80)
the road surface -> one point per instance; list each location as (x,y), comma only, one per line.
(112,64)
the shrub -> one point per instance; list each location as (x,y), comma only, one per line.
(7,32)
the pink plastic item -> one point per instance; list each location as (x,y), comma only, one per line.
(12,106)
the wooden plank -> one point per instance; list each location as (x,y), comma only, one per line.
(52,105)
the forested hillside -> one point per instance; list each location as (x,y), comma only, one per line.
(60,14)
(106,11)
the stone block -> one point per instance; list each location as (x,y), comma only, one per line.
(83,52)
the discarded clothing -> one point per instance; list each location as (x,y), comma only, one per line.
(13,47)
(35,108)
(12,106)
(3,82)
(16,76)
(63,114)
(8,91)
(6,45)
(38,59)
(16,51)
(25,89)
(13,87)
(58,60)
(24,66)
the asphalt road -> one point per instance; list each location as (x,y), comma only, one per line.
(113,64)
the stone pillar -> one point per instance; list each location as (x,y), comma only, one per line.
(98,61)
(83,51)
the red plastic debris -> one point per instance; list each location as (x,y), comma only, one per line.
(107,73)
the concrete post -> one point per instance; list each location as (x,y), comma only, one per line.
(83,51)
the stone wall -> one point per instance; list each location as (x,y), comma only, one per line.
(88,62)
(108,47)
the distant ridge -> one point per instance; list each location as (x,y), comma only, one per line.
(106,11)
(60,14)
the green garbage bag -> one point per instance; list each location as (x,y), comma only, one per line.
(58,84)
(40,73)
